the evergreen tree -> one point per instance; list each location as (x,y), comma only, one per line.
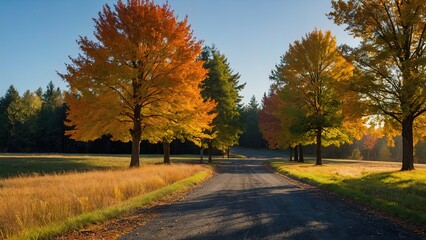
(222,86)
(50,120)
(21,113)
(251,136)
(5,126)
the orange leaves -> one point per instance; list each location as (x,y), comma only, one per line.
(141,73)
(269,122)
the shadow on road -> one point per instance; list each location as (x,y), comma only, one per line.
(247,201)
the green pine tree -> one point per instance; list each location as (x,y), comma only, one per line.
(5,126)
(222,85)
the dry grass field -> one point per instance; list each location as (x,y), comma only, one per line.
(30,202)
(12,165)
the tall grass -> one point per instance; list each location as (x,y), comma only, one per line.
(29,202)
(377,184)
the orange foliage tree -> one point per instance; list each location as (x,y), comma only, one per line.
(128,82)
(269,122)
(276,121)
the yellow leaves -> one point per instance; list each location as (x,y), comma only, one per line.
(313,94)
(141,73)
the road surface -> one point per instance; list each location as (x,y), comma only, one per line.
(246,200)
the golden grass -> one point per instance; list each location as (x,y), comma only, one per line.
(12,165)
(29,202)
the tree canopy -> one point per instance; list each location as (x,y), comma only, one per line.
(310,82)
(127,82)
(249,118)
(222,86)
(392,61)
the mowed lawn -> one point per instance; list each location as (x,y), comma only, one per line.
(40,164)
(377,184)
(74,191)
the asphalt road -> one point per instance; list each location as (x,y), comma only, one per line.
(246,200)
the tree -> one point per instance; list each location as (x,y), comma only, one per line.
(392,58)
(50,120)
(249,118)
(21,113)
(5,126)
(121,83)
(269,123)
(191,118)
(369,140)
(280,120)
(315,73)
(222,86)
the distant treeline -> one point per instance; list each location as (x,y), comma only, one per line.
(34,123)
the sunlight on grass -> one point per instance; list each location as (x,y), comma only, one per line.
(28,202)
(377,184)
(38,164)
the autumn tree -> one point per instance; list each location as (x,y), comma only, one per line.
(279,120)
(392,58)
(122,82)
(370,138)
(221,86)
(315,74)
(270,124)
(190,118)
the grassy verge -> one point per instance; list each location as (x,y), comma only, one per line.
(12,165)
(41,207)
(401,194)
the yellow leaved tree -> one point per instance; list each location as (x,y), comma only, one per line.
(392,60)
(315,77)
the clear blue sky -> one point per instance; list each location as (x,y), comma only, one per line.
(38,36)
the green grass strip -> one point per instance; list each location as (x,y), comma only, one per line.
(359,193)
(121,209)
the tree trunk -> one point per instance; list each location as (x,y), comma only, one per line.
(136,133)
(407,145)
(227,152)
(201,155)
(301,159)
(319,147)
(209,150)
(166,152)
(290,149)
(296,153)
(136,145)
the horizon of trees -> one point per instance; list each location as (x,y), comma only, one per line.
(47,138)
(146,77)
(43,131)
